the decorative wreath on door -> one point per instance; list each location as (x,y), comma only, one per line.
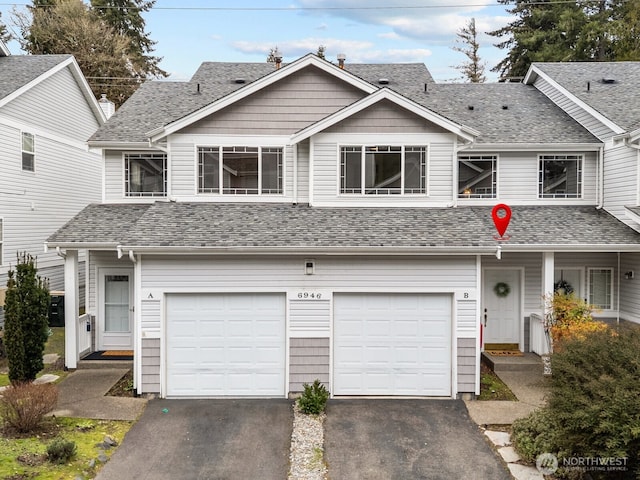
(502,289)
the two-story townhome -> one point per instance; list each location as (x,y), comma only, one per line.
(47,113)
(265,225)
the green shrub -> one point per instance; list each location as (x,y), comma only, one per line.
(314,398)
(61,451)
(24,405)
(595,396)
(534,434)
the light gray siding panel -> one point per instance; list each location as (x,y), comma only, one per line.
(621,181)
(576,112)
(309,317)
(150,317)
(303,172)
(150,365)
(113,176)
(285,107)
(183,168)
(308,361)
(467,368)
(384,117)
(467,316)
(55,105)
(630,288)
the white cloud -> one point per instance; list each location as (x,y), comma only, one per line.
(389,36)
(292,49)
(322,26)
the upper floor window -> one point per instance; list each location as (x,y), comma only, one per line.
(145,174)
(383,170)
(477,176)
(240,170)
(560,176)
(28,152)
(601,288)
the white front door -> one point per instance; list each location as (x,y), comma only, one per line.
(116,309)
(501,306)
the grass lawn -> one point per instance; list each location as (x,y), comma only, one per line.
(25,457)
(492,388)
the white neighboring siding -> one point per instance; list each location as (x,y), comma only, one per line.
(303,172)
(309,318)
(113,176)
(57,106)
(576,112)
(630,288)
(183,168)
(34,205)
(621,181)
(326,153)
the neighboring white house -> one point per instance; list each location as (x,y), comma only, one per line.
(47,113)
(263,226)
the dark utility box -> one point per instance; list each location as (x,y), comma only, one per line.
(56,309)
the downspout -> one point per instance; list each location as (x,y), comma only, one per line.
(132,257)
(601,178)
(295,174)
(61,253)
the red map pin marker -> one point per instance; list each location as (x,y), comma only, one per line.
(501,214)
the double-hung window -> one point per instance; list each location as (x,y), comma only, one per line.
(477,176)
(601,288)
(145,174)
(560,176)
(240,170)
(28,152)
(383,170)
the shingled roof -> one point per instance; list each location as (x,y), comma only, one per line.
(222,226)
(611,88)
(16,71)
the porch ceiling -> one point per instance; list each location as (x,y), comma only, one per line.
(232,226)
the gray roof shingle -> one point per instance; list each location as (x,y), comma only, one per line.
(618,101)
(235,225)
(18,70)
(530,118)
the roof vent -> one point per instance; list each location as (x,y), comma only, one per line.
(383,81)
(608,80)
(240,81)
(505,107)
(341,58)
(470,107)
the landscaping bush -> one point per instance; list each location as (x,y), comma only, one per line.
(61,451)
(314,398)
(595,396)
(24,405)
(534,434)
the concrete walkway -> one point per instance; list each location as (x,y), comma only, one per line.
(82,394)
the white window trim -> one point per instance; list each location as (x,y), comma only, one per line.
(611,287)
(480,157)
(403,146)
(125,172)
(580,158)
(23,151)
(220,193)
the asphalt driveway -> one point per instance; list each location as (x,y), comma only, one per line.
(407,439)
(206,439)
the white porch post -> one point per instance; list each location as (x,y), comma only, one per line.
(548,267)
(71,308)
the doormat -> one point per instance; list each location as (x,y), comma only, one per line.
(505,353)
(110,355)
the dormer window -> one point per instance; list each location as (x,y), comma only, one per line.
(560,176)
(145,174)
(383,170)
(477,176)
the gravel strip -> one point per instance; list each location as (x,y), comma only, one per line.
(307,447)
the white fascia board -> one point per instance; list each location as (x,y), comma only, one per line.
(565,247)
(535,72)
(80,246)
(4,50)
(108,145)
(275,76)
(534,147)
(463,131)
(634,136)
(87,92)
(632,215)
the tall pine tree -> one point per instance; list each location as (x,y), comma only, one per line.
(26,311)
(473,68)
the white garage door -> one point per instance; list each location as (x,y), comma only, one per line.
(392,344)
(226,345)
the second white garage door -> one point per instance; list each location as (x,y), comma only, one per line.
(226,345)
(392,344)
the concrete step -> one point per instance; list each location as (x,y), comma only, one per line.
(528,362)
(101,364)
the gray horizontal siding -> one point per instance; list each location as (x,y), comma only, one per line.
(308,361)
(150,365)
(467,368)
(630,288)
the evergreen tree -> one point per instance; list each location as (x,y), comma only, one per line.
(125,18)
(26,320)
(321,52)
(473,68)
(4,33)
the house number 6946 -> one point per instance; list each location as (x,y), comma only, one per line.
(309,295)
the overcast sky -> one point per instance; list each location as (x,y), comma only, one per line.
(189,32)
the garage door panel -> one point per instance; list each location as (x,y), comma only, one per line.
(392,344)
(234,345)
